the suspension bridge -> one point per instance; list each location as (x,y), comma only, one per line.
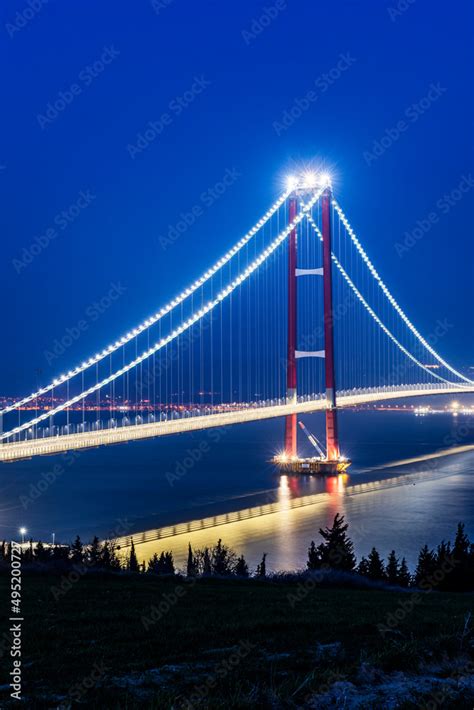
(294,318)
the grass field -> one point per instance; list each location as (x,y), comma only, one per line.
(130,641)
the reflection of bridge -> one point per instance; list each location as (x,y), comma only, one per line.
(252,413)
(234,347)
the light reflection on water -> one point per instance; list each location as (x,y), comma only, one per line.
(284,528)
(399,492)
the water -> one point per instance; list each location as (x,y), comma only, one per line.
(397,495)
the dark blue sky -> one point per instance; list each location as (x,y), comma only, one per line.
(112,68)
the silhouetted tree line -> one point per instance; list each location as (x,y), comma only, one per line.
(450,567)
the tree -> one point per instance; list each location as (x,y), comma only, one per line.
(206,563)
(461,545)
(94,552)
(241,568)
(41,553)
(191,566)
(106,555)
(132,560)
(223,559)
(376,569)
(77,551)
(261,571)
(337,550)
(461,578)
(161,565)
(314,561)
(393,568)
(153,564)
(426,567)
(61,553)
(363,567)
(404,576)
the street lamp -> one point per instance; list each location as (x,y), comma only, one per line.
(22,533)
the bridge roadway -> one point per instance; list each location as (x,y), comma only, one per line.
(16,451)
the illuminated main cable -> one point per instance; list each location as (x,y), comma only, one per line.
(157,316)
(389,296)
(372,312)
(178,331)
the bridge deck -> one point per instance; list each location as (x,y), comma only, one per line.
(10,452)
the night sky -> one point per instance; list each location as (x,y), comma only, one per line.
(238,94)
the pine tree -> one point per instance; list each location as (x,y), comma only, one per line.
(191,567)
(41,553)
(169,563)
(393,569)
(206,563)
(115,563)
(60,553)
(105,558)
(314,561)
(77,551)
(426,567)
(223,559)
(132,560)
(94,552)
(461,545)
(241,568)
(337,550)
(404,576)
(363,567)
(153,564)
(261,571)
(462,576)
(376,569)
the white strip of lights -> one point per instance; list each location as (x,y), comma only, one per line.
(157,316)
(372,313)
(387,293)
(178,331)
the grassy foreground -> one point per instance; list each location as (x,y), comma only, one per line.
(128,641)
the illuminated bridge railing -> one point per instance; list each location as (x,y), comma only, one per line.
(253,412)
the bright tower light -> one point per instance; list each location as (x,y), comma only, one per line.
(310,179)
(325,179)
(291,182)
(22,532)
